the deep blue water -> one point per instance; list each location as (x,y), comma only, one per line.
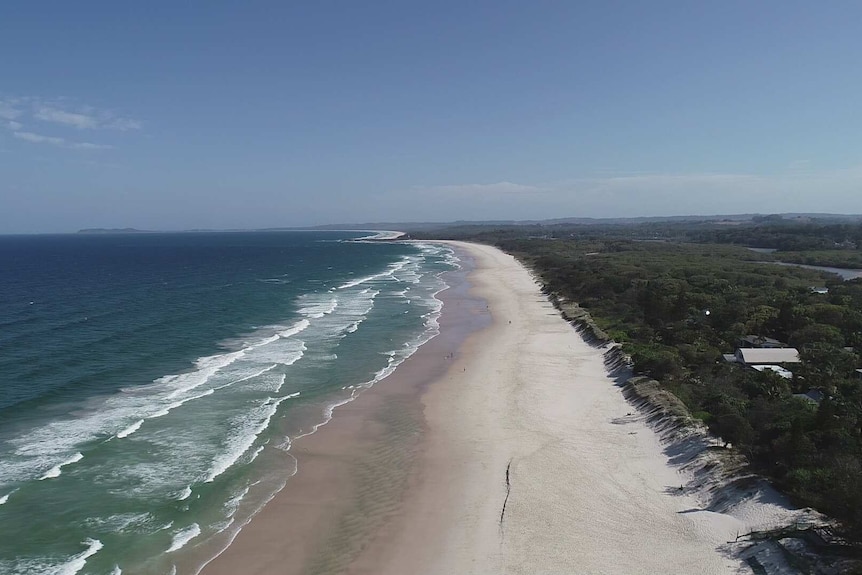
(150,383)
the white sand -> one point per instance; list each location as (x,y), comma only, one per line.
(591,488)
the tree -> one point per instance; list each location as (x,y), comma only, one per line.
(817,333)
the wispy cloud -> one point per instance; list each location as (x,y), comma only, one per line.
(494,189)
(8,110)
(57,141)
(123,124)
(39,138)
(48,114)
(89,146)
(19,114)
(632,195)
(86,118)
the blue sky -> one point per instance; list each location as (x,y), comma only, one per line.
(169,115)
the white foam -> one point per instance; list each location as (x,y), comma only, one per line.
(248,377)
(360,306)
(122,522)
(223,526)
(131,429)
(232,504)
(77,562)
(57,469)
(41,447)
(290,361)
(395,357)
(257,452)
(357,310)
(206,368)
(317,310)
(5,498)
(166,410)
(381,235)
(285,352)
(327,414)
(265,341)
(409,273)
(250,428)
(388,273)
(296,328)
(116,570)
(198,443)
(185,494)
(248,517)
(182,537)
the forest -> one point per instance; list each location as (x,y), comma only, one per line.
(679,296)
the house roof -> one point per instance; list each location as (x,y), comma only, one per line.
(786,374)
(813,396)
(752,340)
(754,355)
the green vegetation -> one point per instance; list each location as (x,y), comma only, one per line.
(833,258)
(678,304)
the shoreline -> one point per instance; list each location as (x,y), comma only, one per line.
(517,454)
(382,426)
(548,469)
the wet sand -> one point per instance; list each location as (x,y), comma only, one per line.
(355,471)
(516,455)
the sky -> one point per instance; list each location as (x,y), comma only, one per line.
(186,115)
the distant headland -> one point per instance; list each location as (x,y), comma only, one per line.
(113,231)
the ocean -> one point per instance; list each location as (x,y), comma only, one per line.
(151,384)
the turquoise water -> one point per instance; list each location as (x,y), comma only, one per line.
(151,384)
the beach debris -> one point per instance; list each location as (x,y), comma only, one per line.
(506,500)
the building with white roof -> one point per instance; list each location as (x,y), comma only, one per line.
(785,373)
(764,356)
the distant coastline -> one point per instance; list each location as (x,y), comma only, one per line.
(409,227)
(113,231)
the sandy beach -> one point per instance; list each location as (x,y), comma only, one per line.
(501,446)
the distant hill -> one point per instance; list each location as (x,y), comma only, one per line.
(728,218)
(113,231)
